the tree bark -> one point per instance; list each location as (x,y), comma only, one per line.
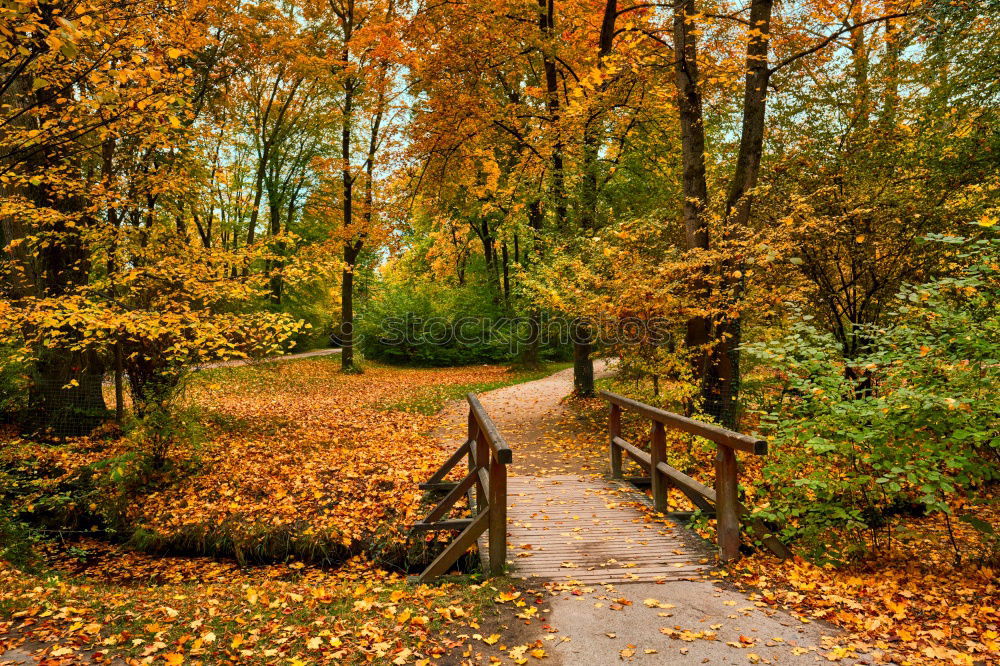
(546,24)
(351,251)
(583,365)
(694,182)
(740,199)
(65,396)
(350,254)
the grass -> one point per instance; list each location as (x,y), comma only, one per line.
(431,399)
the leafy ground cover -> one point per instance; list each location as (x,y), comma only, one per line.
(149,609)
(295,466)
(293,459)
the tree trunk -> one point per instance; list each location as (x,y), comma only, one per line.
(65,397)
(351,251)
(505,260)
(531,354)
(274,266)
(583,365)
(695,185)
(257,195)
(593,128)
(546,24)
(740,199)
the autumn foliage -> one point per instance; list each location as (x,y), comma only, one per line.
(776,217)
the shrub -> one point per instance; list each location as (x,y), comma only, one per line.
(908,426)
(426,324)
(16,541)
(14,384)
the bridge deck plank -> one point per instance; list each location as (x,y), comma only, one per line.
(586,530)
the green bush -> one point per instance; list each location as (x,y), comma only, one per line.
(17,541)
(313,303)
(14,383)
(912,425)
(426,324)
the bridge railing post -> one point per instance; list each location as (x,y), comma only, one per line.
(472,436)
(498,516)
(488,456)
(657,455)
(726,504)
(615,430)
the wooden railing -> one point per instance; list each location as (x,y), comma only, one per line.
(723,500)
(488,456)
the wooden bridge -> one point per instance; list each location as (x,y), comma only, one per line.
(586,529)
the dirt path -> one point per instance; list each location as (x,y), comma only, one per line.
(530,416)
(270,359)
(600,589)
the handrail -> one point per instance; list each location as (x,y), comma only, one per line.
(730,438)
(488,456)
(724,497)
(487,427)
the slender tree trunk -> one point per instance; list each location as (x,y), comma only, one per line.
(694,182)
(891,99)
(583,365)
(505,260)
(258,195)
(546,24)
(593,128)
(531,354)
(274,266)
(739,199)
(350,253)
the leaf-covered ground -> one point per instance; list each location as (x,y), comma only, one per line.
(280,441)
(915,606)
(149,609)
(298,465)
(295,459)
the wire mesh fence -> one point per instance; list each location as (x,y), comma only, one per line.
(74,408)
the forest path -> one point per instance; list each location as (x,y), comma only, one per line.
(604,582)
(270,359)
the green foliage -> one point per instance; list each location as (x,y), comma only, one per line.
(908,425)
(14,383)
(16,540)
(165,427)
(415,322)
(311,304)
